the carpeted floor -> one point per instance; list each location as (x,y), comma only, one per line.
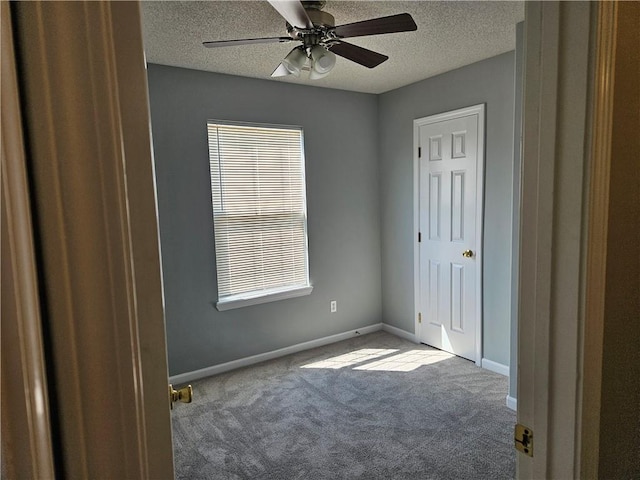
(373,407)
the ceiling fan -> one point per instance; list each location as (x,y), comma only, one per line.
(322,39)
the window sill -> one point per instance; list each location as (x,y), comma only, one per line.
(239,301)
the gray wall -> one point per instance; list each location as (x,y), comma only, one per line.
(340,132)
(492,82)
(359,165)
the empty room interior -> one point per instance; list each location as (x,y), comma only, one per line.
(281,239)
(359,171)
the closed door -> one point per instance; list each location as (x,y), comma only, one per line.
(448,250)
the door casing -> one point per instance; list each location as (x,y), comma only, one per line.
(25,412)
(86,115)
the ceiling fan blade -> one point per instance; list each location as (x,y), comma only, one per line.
(293,12)
(402,22)
(246,41)
(360,55)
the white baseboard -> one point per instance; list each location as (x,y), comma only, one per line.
(495,367)
(398,332)
(281,352)
(512,403)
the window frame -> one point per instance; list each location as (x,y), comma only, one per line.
(265,295)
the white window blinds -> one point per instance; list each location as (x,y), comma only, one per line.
(259,210)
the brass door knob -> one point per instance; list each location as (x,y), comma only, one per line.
(467,254)
(184,395)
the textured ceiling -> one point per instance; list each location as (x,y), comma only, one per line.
(450,34)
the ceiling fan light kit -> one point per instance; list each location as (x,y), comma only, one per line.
(323,60)
(295,60)
(321,39)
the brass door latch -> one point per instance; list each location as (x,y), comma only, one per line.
(524,439)
(184,395)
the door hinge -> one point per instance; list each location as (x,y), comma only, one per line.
(419,317)
(524,439)
(419,152)
(419,237)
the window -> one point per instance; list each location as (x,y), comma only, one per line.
(259,213)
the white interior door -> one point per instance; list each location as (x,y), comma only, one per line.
(450,152)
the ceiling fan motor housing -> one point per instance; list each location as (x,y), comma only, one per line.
(321,18)
(322,23)
(313,4)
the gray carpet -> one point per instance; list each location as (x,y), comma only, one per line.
(372,407)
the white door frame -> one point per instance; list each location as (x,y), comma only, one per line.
(479,111)
(26,425)
(561,93)
(85,106)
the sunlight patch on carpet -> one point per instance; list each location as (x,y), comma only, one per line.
(407,361)
(348,359)
(401,362)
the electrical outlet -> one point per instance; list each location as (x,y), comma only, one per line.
(334,306)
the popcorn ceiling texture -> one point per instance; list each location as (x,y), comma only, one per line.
(450,34)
